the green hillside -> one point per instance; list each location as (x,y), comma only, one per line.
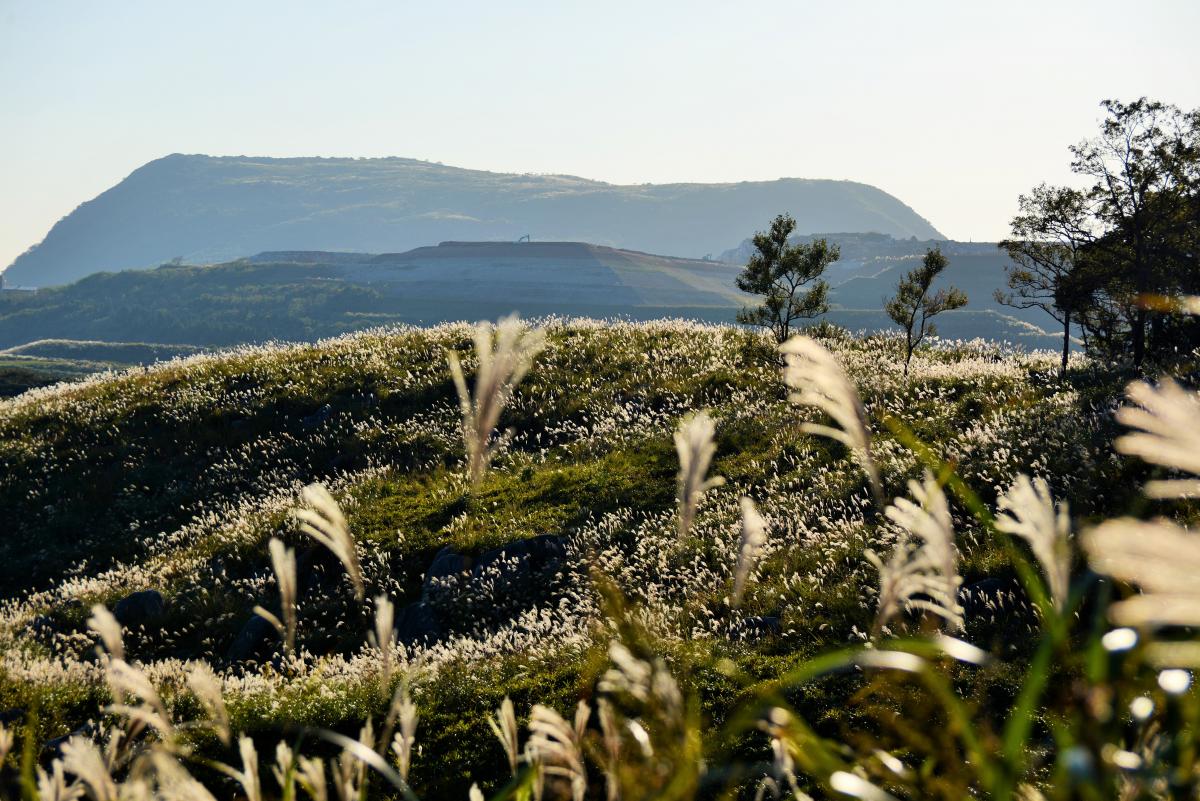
(172,478)
(48,361)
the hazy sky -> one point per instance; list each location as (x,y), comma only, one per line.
(954,107)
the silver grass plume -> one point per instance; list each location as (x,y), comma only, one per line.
(505,353)
(628,674)
(611,736)
(103,623)
(555,744)
(6,742)
(127,683)
(324,522)
(583,713)
(642,680)
(1167,433)
(754,536)
(923,575)
(283,561)
(284,770)
(899,579)
(1158,556)
(384,638)
(82,759)
(1027,792)
(53,786)
(819,381)
(856,786)
(504,726)
(402,744)
(694,444)
(248,775)
(783,765)
(1034,517)
(207,689)
(174,782)
(351,778)
(310,773)
(347,777)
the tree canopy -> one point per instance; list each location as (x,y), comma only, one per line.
(1113,258)
(780,271)
(913,307)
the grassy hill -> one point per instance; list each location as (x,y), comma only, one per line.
(173,477)
(296,295)
(207,209)
(49,361)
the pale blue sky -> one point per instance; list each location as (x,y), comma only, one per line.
(954,107)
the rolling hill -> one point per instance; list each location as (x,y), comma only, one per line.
(156,492)
(304,295)
(49,361)
(208,209)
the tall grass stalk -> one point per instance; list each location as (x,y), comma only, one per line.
(505,353)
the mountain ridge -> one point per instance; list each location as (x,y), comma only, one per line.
(220,208)
(299,296)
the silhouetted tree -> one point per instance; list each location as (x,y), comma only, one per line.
(1134,163)
(1114,258)
(1048,271)
(913,307)
(780,271)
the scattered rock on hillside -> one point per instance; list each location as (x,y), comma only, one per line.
(319,416)
(446,562)
(416,623)
(524,556)
(252,640)
(139,608)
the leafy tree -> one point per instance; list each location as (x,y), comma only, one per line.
(913,307)
(1049,270)
(1138,165)
(780,271)
(1114,258)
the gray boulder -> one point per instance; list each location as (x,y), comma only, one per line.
(140,608)
(416,623)
(525,556)
(253,640)
(446,562)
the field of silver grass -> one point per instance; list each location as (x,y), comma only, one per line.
(797,537)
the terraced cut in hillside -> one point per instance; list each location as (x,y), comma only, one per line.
(172,478)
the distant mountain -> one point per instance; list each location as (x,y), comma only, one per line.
(303,295)
(208,209)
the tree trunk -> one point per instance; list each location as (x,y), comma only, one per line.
(1062,371)
(1139,337)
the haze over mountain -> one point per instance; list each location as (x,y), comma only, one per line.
(209,209)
